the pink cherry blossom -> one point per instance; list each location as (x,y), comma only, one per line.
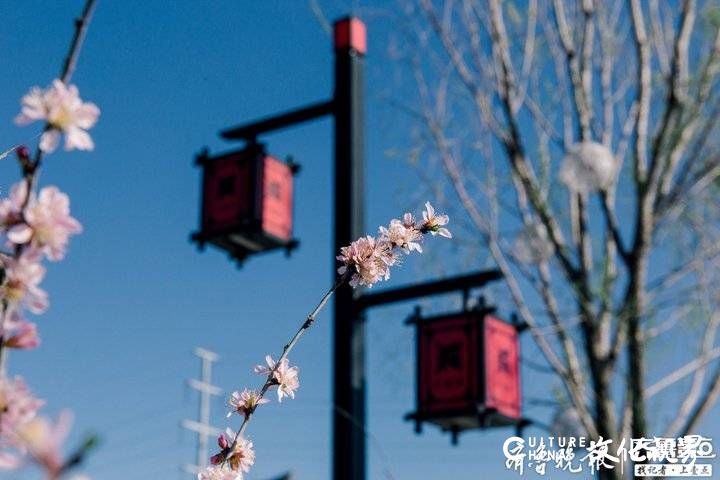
(34,106)
(433,223)
(11,207)
(409,220)
(402,235)
(10,460)
(44,440)
(23,275)
(368,260)
(285,376)
(217,472)
(224,445)
(245,402)
(17,404)
(63,110)
(24,336)
(240,456)
(47,223)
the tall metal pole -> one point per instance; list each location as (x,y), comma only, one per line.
(349,326)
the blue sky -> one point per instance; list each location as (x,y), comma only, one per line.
(134,297)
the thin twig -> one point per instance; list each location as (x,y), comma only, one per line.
(81,26)
(270,381)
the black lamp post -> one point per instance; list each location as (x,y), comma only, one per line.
(349,323)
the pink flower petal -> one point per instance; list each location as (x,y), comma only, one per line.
(49,140)
(76,138)
(20,234)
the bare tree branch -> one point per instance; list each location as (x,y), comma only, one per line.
(707,400)
(643,90)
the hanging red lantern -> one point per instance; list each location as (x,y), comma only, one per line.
(468,371)
(247,202)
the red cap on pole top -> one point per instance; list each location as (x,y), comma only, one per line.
(351,33)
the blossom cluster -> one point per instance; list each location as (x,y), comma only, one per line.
(236,454)
(24,434)
(368,259)
(365,261)
(35,226)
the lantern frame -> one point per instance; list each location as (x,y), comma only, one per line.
(242,233)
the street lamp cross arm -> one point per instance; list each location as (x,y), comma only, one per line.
(250,131)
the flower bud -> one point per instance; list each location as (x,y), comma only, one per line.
(23,152)
(25,338)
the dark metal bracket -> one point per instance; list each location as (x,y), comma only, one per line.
(452,284)
(250,131)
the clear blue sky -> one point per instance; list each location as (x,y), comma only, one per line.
(133,297)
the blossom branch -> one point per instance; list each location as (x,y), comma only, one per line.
(365,261)
(30,168)
(270,381)
(81,26)
(37,226)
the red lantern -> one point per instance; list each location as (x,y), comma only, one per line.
(247,202)
(468,372)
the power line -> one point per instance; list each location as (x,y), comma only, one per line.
(202,426)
